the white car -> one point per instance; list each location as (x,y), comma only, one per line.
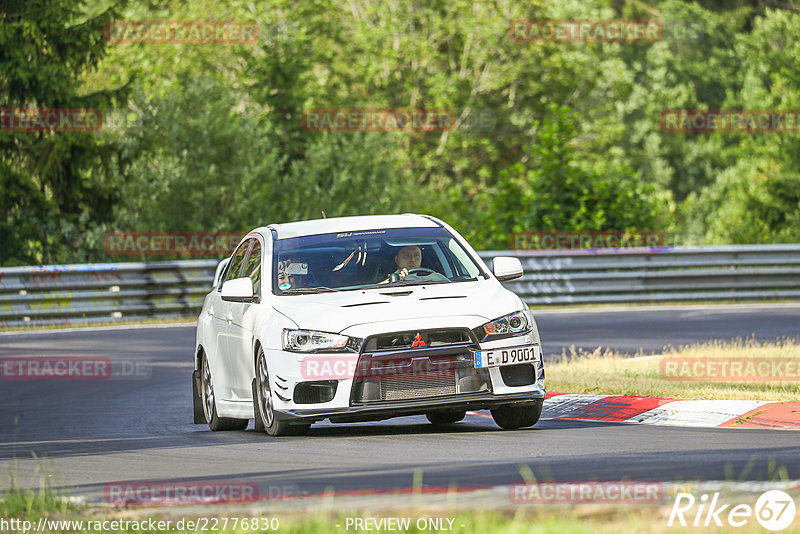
(359,319)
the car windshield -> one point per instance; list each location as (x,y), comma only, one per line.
(373,258)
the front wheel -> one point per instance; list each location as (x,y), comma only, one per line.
(262,404)
(208,398)
(512,416)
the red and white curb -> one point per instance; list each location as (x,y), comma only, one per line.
(672,412)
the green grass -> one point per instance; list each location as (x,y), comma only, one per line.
(608,373)
(32,503)
(588,519)
(18,502)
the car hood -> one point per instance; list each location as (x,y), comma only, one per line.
(467,304)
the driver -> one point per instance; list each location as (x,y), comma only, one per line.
(406,259)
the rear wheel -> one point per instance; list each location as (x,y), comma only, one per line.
(446,417)
(210,406)
(262,404)
(514,416)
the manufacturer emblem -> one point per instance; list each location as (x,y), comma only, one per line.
(418,341)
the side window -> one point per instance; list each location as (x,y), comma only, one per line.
(235,265)
(252,268)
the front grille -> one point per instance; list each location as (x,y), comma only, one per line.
(417,374)
(417,364)
(418,385)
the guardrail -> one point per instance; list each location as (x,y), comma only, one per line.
(660,274)
(53,294)
(101,292)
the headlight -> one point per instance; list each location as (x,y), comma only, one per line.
(313,341)
(514,323)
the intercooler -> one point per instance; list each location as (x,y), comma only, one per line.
(417,365)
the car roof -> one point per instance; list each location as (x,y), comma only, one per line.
(352,224)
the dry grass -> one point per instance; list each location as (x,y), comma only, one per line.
(609,373)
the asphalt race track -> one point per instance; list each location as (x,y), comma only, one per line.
(88,433)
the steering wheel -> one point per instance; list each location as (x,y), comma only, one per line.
(421,271)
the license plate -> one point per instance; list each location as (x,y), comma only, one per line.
(506,356)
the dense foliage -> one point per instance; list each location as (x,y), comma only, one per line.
(549,136)
(55,189)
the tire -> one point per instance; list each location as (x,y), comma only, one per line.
(262,404)
(208,398)
(512,416)
(446,417)
(197,402)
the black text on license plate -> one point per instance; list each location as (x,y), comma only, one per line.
(505,356)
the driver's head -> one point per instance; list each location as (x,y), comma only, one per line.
(409,257)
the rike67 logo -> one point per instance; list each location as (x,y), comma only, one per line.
(774,510)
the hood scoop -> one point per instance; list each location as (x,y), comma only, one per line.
(365,303)
(397,293)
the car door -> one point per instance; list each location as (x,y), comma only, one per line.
(240,328)
(222,368)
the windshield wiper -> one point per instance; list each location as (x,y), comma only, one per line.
(415,283)
(320,289)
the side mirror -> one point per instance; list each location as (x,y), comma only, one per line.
(218,273)
(238,290)
(506,268)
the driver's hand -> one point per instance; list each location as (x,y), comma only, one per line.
(397,275)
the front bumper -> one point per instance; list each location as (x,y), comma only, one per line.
(380,384)
(387,410)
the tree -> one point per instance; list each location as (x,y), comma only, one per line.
(549,190)
(53,187)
